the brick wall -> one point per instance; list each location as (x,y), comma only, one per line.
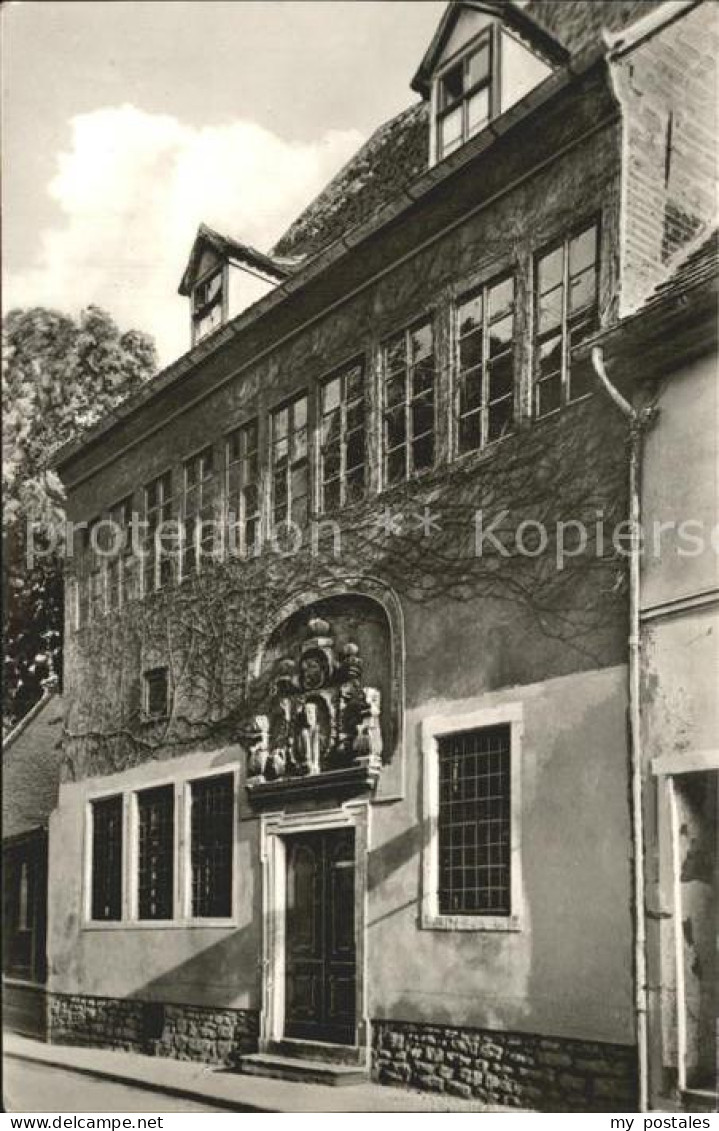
(185,1032)
(514,1069)
(668,89)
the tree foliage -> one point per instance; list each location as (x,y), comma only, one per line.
(61,376)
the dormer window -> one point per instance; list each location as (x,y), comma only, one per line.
(486,55)
(464,99)
(207,299)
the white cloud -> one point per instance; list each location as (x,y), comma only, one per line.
(132,189)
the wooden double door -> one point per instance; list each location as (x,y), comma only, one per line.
(320,965)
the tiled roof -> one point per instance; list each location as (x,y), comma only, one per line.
(694,267)
(31,769)
(398,151)
(395,154)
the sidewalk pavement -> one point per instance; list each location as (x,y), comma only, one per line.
(226,1089)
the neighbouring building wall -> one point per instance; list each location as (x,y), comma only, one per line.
(667,86)
(680,724)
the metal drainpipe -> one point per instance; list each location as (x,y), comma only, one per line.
(637,421)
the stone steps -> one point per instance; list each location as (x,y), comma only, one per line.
(302,1069)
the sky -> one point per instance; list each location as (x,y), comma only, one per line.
(126,124)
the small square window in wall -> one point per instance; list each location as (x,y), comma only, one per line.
(211,846)
(342,443)
(157,693)
(106,867)
(566,312)
(243,489)
(156,850)
(486,375)
(408,364)
(290,468)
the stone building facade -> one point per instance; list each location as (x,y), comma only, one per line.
(346,764)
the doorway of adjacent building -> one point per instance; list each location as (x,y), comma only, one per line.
(320,959)
(695,813)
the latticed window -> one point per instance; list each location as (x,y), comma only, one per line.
(156,847)
(106,893)
(290,471)
(474,822)
(485,330)
(161,533)
(198,510)
(567,312)
(243,489)
(157,692)
(212,817)
(121,566)
(342,444)
(409,390)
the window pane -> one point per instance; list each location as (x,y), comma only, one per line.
(474,861)
(331,395)
(550,310)
(450,131)
(470,351)
(470,396)
(452,85)
(331,494)
(478,66)
(501,298)
(500,416)
(395,428)
(551,268)
(548,394)
(477,111)
(500,335)
(396,465)
(583,290)
(422,416)
(211,836)
(355,449)
(501,377)
(583,251)
(396,388)
(423,376)
(156,816)
(107,859)
(421,342)
(423,452)
(470,314)
(280,422)
(470,433)
(355,382)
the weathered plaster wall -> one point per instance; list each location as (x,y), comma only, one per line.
(568,970)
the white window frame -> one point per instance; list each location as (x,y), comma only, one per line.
(182,880)
(433,728)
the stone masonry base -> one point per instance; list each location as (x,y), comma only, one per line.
(515,1069)
(186,1032)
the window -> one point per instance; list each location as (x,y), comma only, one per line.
(156,850)
(94,572)
(207,305)
(156,693)
(161,533)
(474,822)
(198,508)
(464,98)
(485,332)
(121,567)
(243,488)
(409,380)
(471,861)
(106,889)
(290,472)
(342,442)
(211,829)
(567,311)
